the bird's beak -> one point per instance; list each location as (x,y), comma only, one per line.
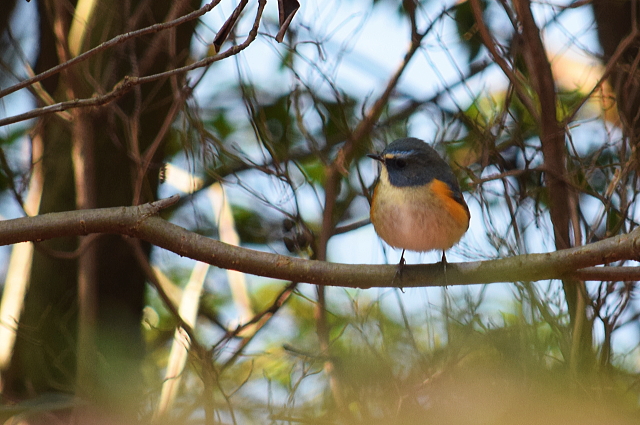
(376,156)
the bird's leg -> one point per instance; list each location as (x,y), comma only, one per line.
(444,268)
(400,269)
(401,265)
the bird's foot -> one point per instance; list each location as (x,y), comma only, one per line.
(400,270)
(444,269)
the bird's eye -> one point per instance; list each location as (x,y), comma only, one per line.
(401,163)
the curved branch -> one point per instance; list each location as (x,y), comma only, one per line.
(142,222)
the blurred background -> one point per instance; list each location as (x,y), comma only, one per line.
(535,106)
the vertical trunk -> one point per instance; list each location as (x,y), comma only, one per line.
(99,148)
(616,20)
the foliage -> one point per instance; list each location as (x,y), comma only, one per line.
(282,129)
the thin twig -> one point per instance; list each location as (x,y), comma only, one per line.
(107,44)
(129,82)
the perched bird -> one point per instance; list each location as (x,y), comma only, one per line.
(417,203)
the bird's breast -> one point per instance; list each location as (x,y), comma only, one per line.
(418,218)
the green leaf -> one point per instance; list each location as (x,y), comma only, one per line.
(251,227)
(466,26)
(222,125)
(276,125)
(336,116)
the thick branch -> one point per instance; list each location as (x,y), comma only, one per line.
(552,135)
(143,223)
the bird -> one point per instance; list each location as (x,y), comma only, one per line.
(417,204)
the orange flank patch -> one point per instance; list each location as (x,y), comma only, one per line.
(458,211)
(372,207)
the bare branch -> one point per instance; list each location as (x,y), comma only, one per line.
(142,222)
(129,82)
(512,74)
(110,43)
(552,134)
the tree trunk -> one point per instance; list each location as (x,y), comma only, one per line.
(108,141)
(614,19)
